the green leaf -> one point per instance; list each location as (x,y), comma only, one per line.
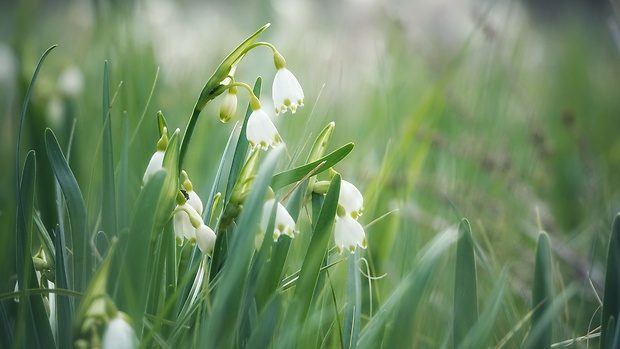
(542,295)
(611,327)
(285,178)
(123,205)
(82,265)
(611,300)
(132,281)
(353,307)
(228,298)
(108,208)
(480,334)
(317,249)
(391,326)
(465,289)
(161,123)
(65,306)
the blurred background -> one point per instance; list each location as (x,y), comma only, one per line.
(504,112)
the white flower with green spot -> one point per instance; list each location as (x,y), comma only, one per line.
(157,160)
(286,90)
(348,232)
(260,131)
(284,223)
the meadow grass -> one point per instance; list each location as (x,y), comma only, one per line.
(513,129)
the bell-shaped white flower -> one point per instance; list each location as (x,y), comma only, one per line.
(348,233)
(228,108)
(351,200)
(205,238)
(119,335)
(185,221)
(155,164)
(192,198)
(284,223)
(260,131)
(157,160)
(286,90)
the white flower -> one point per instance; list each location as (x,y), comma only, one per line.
(157,160)
(205,238)
(119,335)
(229,105)
(286,91)
(155,164)
(71,81)
(260,130)
(284,223)
(195,202)
(183,225)
(351,200)
(348,233)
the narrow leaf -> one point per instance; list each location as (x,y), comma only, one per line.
(108,208)
(82,259)
(542,295)
(285,178)
(311,266)
(465,289)
(611,300)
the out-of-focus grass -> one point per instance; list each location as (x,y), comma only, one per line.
(493,120)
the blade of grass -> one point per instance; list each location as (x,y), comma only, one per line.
(65,306)
(353,307)
(285,178)
(82,260)
(465,285)
(228,298)
(542,295)
(109,223)
(611,300)
(321,233)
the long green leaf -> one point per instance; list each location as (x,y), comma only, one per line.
(65,306)
(233,281)
(611,300)
(352,309)
(317,249)
(33,326)
(132,294)
(465,285)
(108,208)
(82,265)
(285,178)
(542,295)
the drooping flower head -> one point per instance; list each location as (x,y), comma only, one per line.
(260,131)
(348,233)
(228,108)
(205,238)
(284,223)
(286,90)
(157,160)
(119,334)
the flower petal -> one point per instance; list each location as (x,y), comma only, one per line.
(351,199)
(154,165)
(284,223)
(260,131)
(205,238)
(348,233)
(286,91)
(119,335)
(195,202)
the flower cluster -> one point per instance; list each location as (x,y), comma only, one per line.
(188,223)
(348,231)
